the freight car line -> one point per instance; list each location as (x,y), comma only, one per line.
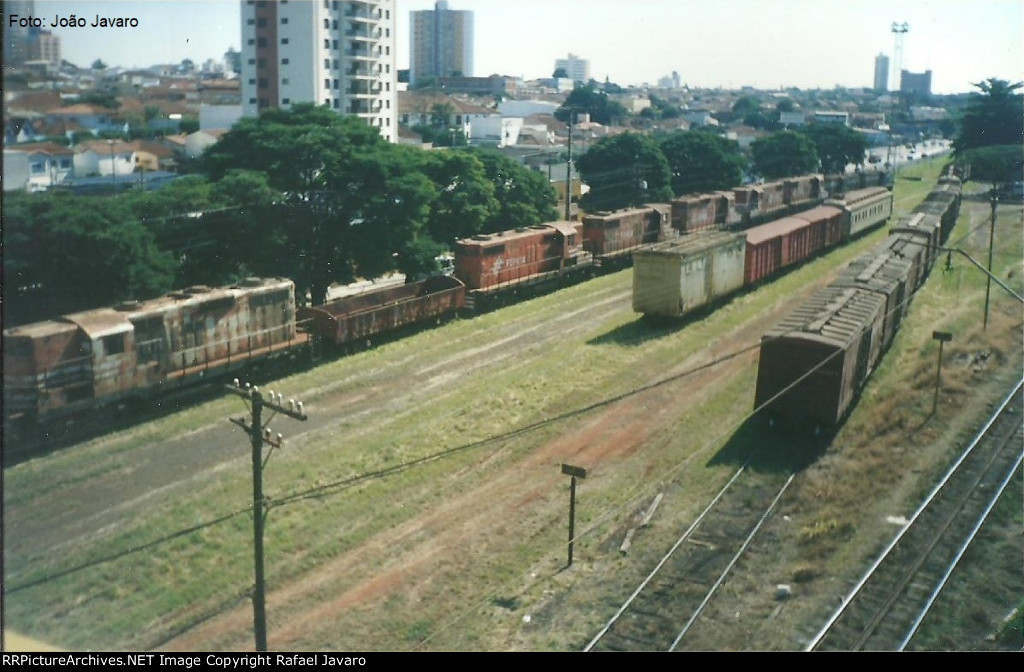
(854,317)
(885,608)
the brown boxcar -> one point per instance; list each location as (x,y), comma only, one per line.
(882,272)
(365,315)
(944,202)
(619,232)
(915,237)
(815,360)
(492,261)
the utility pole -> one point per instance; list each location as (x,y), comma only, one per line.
(259,433)
(991,243)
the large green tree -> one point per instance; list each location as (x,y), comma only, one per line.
(465,199)
(349,203)
(624,170)
(994,117)
(702,161)
(837,145)
(783,154)
(65,253)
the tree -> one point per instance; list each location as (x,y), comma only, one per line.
(784,105)
(465,198)
(560,73)
(837,145)
(624,170)
(783,154)
(702,161)
(999,164)
(98,64)
(348,202)
(746,105)
(995,118)
(588,100)
(524,197)
(65,253)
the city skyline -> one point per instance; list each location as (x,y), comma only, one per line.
(735,43)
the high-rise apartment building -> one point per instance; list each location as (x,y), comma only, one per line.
(577,69)
(881,72)
(336,53)
(916,82)
(440,44)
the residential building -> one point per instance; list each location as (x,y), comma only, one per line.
(104,157)
(417,108)
(881,73)
(832,117)
(36,166)
(336,53)
(792,118)
(440,44)
(577,69)
(916,82)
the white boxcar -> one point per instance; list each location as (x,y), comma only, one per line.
(673,278)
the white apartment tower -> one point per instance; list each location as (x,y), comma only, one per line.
(881,73)
(578,69)
(440,44)
(336,53)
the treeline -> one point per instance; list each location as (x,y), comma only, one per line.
(299,193)
(633,168)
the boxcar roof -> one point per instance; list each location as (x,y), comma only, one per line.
(692,244)
(834,315)
(779,227)
(818,213)
(876,270)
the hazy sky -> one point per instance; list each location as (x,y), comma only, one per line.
(727,43)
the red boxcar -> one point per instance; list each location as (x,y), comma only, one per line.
(827,225)
(501,259)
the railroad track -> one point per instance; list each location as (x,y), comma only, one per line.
(885,608)
(660,612)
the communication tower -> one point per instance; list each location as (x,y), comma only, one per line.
(898,31)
